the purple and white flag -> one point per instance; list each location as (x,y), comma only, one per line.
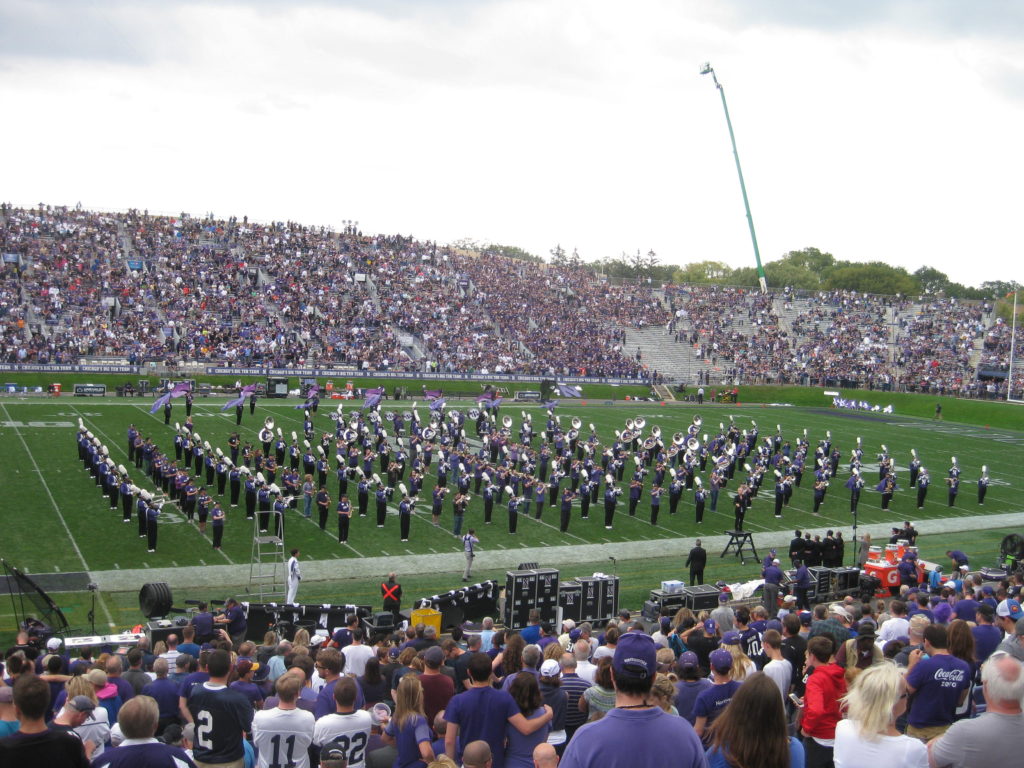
(240,400)
(373,397)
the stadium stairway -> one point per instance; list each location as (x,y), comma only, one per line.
(658,351)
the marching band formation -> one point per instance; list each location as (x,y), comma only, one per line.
(381,457)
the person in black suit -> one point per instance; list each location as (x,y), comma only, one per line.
(696,561)
(796,548)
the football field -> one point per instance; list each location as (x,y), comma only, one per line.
(55,519)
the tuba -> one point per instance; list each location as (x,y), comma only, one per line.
(576,423)
(407,415)
(697,421)
(428,434)
(473,414)
(693,444)
(506,422)
(389,415)
(639,423)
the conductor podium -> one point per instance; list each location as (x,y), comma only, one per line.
(738,542)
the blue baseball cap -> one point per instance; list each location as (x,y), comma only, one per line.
(1009,609)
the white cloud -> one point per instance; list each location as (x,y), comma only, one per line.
(531,123)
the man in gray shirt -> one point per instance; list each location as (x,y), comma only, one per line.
(987,740)
(723,614)
(1013,643)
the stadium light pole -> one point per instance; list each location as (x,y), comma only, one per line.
(707,70)
(1013,349)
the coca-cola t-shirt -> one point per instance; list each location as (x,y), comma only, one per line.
(939,681)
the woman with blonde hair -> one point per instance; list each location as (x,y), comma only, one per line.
(868,737)
(96,727)
(553,651)
(408,729)
(301,637)
(663,693)
(742,666)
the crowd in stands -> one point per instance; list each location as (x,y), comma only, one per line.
(933,677)
(233,292)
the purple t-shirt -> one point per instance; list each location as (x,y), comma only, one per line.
(986,638)
(190,681)
(713,700)
(482,714)
(650,737)
(687,692)
(519,753)
(251,691)
(144,753)
(407,740)
(939,681)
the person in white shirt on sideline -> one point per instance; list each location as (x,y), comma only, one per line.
(294,577)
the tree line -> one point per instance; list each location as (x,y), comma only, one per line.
(808,269)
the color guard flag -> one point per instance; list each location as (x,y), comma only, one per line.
(240,400)
(564,390)
(373,397)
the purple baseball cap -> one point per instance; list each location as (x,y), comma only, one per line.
(710,626)
(721,660)
(731,638)
(688,660)
(635,656)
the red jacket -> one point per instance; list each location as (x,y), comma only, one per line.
(825,687)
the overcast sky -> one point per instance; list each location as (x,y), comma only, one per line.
(873,130)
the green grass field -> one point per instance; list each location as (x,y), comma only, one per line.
(55,520)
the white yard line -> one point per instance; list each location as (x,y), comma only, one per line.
(56,508)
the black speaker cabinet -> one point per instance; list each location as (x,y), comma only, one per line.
(847,578)
(668,602)
(821,581)
(700,597)
(570,597)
